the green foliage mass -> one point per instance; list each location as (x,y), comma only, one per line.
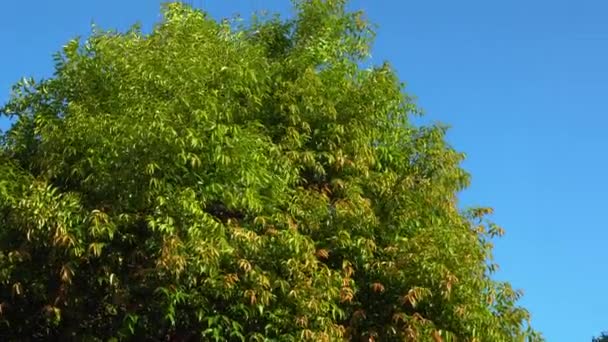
(238,182)
(602,338)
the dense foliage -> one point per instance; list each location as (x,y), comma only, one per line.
(228,181)
(602,338)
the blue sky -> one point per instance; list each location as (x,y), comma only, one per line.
(524,84)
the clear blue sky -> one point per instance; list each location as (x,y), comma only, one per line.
(524,85)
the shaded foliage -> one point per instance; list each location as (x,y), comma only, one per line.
(221,181)
(602,338)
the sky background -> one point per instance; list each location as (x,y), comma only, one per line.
(523,85)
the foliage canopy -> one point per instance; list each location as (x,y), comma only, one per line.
(224,181)
(602,338)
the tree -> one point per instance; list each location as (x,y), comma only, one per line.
(229,181)
(602,338)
